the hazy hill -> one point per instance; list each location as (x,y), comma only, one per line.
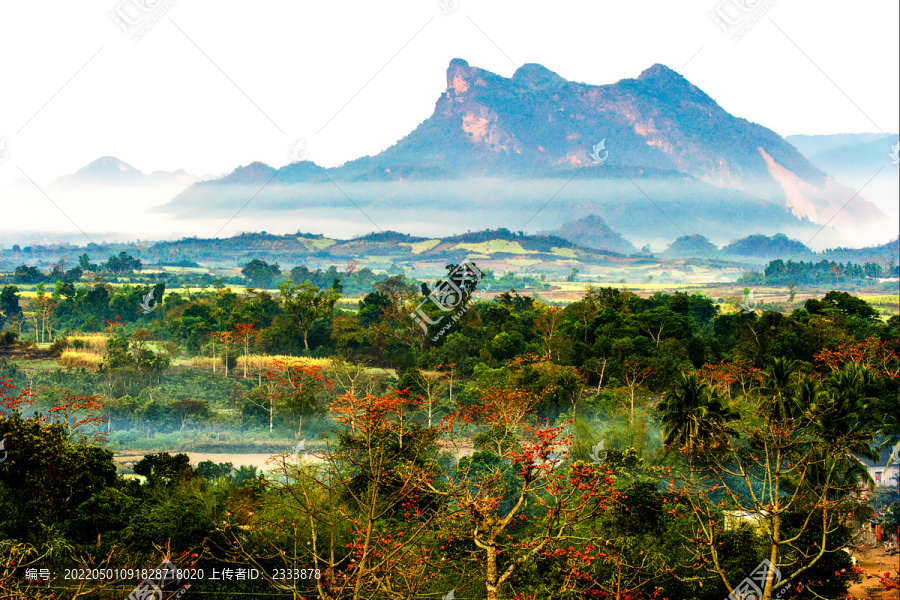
(811,145)
(871,156)
(110,171)
(593,232)
(697,246)
(884,253)
(761,246)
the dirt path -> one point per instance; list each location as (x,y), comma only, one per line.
(875,562)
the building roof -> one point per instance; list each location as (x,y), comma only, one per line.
(883,456)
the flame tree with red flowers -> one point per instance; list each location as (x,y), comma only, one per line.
(514,499)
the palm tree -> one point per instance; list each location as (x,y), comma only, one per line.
(693,413)
(778,391)
(834,445)
(838,476)
(808,393)
(843,417)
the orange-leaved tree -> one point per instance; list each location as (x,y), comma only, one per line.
(247,336)
(880,356)
(487,495)
(725,374)
(78,415)
(296,388)
(226,339)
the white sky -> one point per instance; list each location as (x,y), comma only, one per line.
(160,104)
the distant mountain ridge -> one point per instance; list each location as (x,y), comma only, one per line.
(500,246)
(110,171)
(537,126)
(812,145)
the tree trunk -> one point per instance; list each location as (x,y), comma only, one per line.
(305,342)
(491,574)
(602,371)
(773,557)
(631,418)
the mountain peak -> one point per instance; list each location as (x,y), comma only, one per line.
(458,73)
(661,72)
(106,169)
(666,84)
(109,163)
(536,76)
(254,173)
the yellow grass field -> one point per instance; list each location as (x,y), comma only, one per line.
(314,244)
(886,305)
(420,247)
(883,301)
(494,246)
(80,360)
(259,361)
(94,342)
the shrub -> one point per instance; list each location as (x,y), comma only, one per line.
(59,345)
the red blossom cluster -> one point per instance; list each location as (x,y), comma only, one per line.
(883,357)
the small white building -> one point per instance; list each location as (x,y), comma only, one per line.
(756,520)
(881,474)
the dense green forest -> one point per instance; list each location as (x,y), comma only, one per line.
(824,272)
(615,447)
